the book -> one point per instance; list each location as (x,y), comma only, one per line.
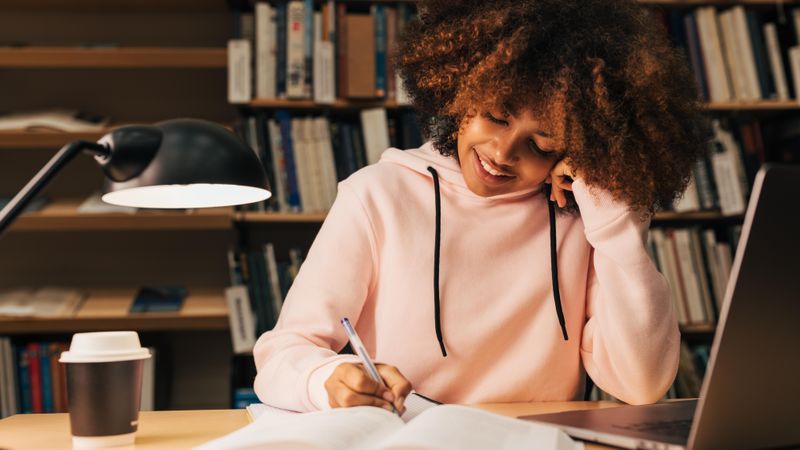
(719,85)
(241,319)
(42,302)
(266,34)
(376,133)
(239,71)
(360,35)
(295,47)
(776,61)
(441,427)
(60,120)
(158,299)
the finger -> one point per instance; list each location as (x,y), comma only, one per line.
(397,383)
(359,381)
(344,397)
(555,192)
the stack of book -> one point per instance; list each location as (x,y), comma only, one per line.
(46,302)
(306,156)
(697,266)
(259,283)
(289,50)
(33,381)
(740,54)
(722,181)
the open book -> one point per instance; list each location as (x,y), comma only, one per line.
(368,428)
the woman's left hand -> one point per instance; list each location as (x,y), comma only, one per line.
(561,178)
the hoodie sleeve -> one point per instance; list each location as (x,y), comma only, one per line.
(295,358)
(631,341)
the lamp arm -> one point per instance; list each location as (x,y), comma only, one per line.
(17,204)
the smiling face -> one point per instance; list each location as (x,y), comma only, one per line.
(501,154)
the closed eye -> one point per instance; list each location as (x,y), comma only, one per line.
(538,150)
(495,120)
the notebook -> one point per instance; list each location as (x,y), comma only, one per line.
(442,427)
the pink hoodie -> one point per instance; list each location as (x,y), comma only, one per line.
(373,262)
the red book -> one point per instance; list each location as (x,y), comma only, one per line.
(35,375)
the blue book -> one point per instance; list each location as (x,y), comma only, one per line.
(695,54)
(280,49)
(765,81)
(348,149)
(47,384)
(379,16)
(242,397)
(285,124)
(158,299)
(25,401)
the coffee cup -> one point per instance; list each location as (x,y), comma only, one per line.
(104,385)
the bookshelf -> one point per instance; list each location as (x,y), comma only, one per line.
(110,58)
(135,61)
(107,310)
(337,105)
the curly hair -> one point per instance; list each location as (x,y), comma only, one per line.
(619,99)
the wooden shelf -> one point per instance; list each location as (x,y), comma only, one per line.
(107,309)
(63,215)
(108,58)
(267,217)
(115,6)
(43,140)
(669,217)
(310,105)
(715,2)
(761,105)
(706,329)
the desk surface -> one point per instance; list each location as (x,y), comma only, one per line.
(185,429)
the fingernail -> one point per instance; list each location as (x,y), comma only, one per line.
(388,396)
(399,403)
(388,408)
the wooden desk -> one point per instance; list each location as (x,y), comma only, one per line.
(185,429)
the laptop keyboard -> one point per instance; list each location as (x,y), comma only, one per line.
(667,427)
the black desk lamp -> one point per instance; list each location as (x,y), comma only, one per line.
(181,163)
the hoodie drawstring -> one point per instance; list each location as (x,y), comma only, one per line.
(554,261)
(437,245)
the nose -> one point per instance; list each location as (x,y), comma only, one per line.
(506,151)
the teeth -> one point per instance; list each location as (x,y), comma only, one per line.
(489,169)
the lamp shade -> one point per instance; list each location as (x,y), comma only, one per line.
(180,163)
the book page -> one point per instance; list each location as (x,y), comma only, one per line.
(462,428)
(355,428)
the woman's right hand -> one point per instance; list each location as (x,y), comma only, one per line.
(351,385)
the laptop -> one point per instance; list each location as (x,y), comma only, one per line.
(750,397)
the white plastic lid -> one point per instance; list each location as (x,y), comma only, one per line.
(104,346)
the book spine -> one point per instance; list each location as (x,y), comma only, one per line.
(278,165)
(776,61)
(295,47)
(241,320)
(308,47)
(274,279)
(379,15)
(35,375)
(376,133)
(280,48)
(731,53)
(742,34)
(47,385)
(239,71)
(23,375)
(265,50)
(341,50)
(719,85)
(56,373)
(766,85)
(285,125)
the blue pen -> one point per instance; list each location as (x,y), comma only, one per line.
(358,347)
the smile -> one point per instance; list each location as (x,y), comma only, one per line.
(488,173)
